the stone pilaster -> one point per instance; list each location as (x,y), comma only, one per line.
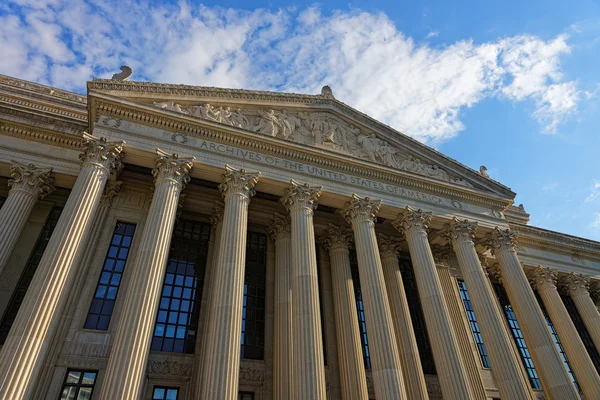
(280,232)
(456,308)
(553,374)
(28,184)
(544,280)
(361,213)
(28,341)
(351,362)
(222,360)
(450,368)
(578,286)
(414,380)
(507,369)
(307,346)
(129,354)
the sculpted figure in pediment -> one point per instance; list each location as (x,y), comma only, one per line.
(171,106)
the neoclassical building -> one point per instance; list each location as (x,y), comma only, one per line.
(171,242)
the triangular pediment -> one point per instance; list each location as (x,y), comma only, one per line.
(313,120)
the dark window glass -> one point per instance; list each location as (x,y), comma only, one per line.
(2,199)
(110,278)
(464,294)
(583,332)
(416,314)
(360,309)
(19,294)
(511,318)
(179,307)
(245,396)
(321,307)
(78,385)
(559,346)
(253,313)
(165,393)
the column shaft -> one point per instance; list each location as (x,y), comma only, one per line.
(385,361)
(414,379)
(351,361)
(28,184)
(222,362)
(544,280)
(578,287)
(553,374)
(450,368)
(507,370)
(27,343)
(307,346)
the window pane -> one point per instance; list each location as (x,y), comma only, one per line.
(583,332)
(85,393)
(464,294)
(362,326)
(78,385)
(179,307)
(110,279)
(27,275)
(165,393)
(68,393)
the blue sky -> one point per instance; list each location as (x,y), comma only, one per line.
(512,85)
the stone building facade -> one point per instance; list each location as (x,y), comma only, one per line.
(180,242)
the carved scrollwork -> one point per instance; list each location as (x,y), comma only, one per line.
(501,240)
(169,367)
(336,237)
(172,168)
(100,152)
(217,216)
(301,195)
(542,278)
(361,209)
(251,374)
(412,220)
(238,182)
(389,246)
(280,228)
(110,191)
(26,178)
(441,255)
(576,284)
(460,231)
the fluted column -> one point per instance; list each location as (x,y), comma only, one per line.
(385,361)
(353,379)
(414,379)
(28,184)
(222,360)
(128,357)
(507,370)
(307,346)
(27,343)
(280,232)
(555,379)
(446,353)
(578,287)
(544,280)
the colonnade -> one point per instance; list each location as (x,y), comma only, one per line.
(298,365)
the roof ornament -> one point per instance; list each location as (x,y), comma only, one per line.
(327,92)
(483,171)
(123,75)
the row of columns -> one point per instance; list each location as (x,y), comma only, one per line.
(298,358)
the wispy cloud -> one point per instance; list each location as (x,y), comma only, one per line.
(594,192)
(595,225)
(432,34)
(418,89)
(550,187)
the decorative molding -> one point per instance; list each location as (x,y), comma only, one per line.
(389,246)
(280,227)
(361,209)
(300,195)
(111,189)
(29,179)
(251,373)
(412,219)
(82,362)
(172,168)
(542,278)
(336,237)
(42,89)
(501,240)
(217,216)
(460,231)
(82,116)
(101,153)
(575,284)
(52,138)
(494,272)
(441,255)
(238,182)
(170,367)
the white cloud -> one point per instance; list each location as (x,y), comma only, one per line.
(418,89)
(432,34)
(595,225)
(594,192)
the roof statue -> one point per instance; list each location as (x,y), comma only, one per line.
(123,75)
(327,92)
(483,171)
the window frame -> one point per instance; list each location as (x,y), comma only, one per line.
(79,383)
(473,324)
(176,388)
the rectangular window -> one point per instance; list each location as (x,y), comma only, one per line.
(110,279)
(19,294)
(464,294)
(360,309)
(323,339)
(583,332)
(245,396)
(253,313)
(165,393)
(179,307)
(78,385)
(511,318)
(416,314)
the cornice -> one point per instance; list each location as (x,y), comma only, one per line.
(45,108)
(63,125)
(542,239)
(150,89)
(102,104)
(41,135)
(22,85)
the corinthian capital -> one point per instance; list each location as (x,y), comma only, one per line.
(100,152)
(460,231)
(337,237)
(542,278)
(389,246)
(441,255)
(238,182)
(501,240)
(280,228)
(217,217)
(361,209)
(33,181)
(301,195)
(169,167)
(110,191)
(412,221)
(576,284)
